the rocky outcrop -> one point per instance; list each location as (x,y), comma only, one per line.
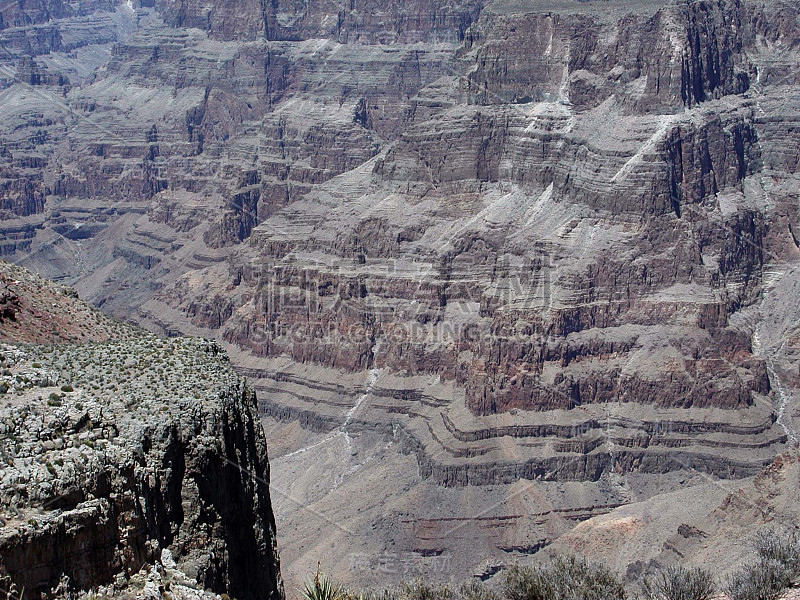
(120,457)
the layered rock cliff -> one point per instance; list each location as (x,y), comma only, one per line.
(554,241)
(562,226)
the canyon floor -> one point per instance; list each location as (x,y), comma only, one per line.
(357,505)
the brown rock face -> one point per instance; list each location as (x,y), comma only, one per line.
(549,207)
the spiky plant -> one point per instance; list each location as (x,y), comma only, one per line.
(322,587)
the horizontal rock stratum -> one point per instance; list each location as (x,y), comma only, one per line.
(525,240)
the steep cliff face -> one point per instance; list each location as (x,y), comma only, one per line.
(34,12)
(126,456)
(294,20)
(648,56)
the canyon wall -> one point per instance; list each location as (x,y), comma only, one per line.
(554,208)
(530,245)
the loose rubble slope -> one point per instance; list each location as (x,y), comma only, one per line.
(39,311)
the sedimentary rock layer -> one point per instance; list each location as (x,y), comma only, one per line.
(555,208)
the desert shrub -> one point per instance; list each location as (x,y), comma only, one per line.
(679,583)
(419,589)
(477,590)
(422,590)
(371,595)
(780,546)
(775,569)
(565,578)
(763,580)
(67,388)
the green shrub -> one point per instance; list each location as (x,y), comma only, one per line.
(421,590)
(678,583)
(565,578)
(776,569)
(67,388)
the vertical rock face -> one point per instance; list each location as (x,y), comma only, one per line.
(236,20)
(678,56)
(33,12)
(147,455)
(295,20)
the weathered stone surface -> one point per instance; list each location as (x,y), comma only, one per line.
(115,452)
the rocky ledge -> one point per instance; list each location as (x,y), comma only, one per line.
(136,465)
